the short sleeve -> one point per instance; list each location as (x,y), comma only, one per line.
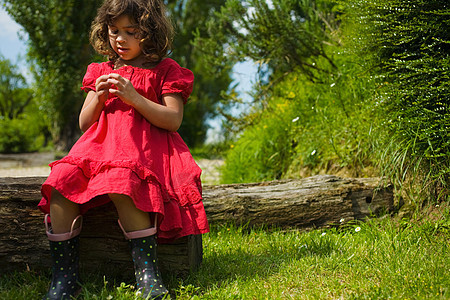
(177,80)
(92,73)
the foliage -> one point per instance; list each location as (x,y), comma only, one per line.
(285,35)
(279,37)
(309,128)
(59,51)
(313,115)
(22,129)
(376,84)
(380,259)
(22,134)
(408,43)
(189,17)
(14,94)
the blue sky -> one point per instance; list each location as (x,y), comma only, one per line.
(10,45)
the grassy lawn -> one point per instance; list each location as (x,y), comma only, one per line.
(380,259)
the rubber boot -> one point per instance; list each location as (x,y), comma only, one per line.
(65,258)
(143,251)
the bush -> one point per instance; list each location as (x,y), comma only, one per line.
(20,135)
(407,43)
(309,128)
(264,150)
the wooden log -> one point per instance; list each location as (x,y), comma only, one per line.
(306,203)
(312,202)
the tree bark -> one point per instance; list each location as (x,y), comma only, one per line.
(306,203)
(311,202)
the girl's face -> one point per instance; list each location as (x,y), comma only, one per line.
(122,37)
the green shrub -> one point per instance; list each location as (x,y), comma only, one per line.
(264,150)
(407,45)
(20,135)
(309,128)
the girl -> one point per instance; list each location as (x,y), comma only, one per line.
(130,153)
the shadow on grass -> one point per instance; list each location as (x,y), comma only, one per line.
(243,256)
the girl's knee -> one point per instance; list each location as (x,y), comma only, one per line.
(57,199)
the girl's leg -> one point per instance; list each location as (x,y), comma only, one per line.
(131,218)
(138,230)
(63,239)
(62,213)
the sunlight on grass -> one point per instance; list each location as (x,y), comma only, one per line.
(380,259)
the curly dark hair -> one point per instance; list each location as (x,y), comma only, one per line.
(155,27)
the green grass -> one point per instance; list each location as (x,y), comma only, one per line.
(380,259)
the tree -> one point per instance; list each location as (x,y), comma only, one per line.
(22,129)
(280,37)
(14,92)
(59,51)
(189,17)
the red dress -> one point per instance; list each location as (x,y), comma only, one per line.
(123,153)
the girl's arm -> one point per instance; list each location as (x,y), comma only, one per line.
(167,115)
(94,103)
(90,112)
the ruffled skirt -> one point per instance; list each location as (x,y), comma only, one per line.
(89,183)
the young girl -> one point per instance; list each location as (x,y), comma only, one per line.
(130,153)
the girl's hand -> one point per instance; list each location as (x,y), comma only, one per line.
(102,88)
(124,89)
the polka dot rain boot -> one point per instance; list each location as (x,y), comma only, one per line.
(143,251)
(65,257)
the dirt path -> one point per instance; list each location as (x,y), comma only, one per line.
(36,164)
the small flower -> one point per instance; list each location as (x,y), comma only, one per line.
(333,84)
(295,119)
(313,152)
(341,220)
(357,229)
(324,233)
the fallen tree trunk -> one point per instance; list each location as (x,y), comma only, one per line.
(312,202)
(307,203)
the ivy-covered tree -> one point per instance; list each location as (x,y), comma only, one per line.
(59,51)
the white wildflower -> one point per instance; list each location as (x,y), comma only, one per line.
(357,229)
(295,119)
